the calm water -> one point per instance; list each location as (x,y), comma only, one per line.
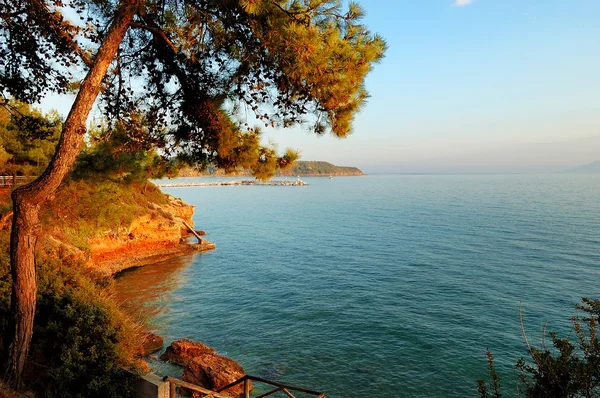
(385,285)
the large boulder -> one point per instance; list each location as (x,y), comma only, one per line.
(204,367)
(183,351)
(151,343)
(213,371)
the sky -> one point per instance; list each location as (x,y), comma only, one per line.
(474,86)
(471,86)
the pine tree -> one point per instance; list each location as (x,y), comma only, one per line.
(191,68)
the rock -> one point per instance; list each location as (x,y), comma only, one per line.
(204,367)
(135,244)
(151,344)
(183,351)
(213,371)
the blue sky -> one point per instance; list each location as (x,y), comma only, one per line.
(480,86)
(490,86)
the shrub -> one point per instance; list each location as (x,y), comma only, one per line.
(82,342)
(568,369)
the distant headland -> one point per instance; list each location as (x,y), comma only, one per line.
(304,168)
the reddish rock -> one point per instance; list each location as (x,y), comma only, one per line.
(183,351)
(213,371)
(151,344)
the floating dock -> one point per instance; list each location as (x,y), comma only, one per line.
(276,183)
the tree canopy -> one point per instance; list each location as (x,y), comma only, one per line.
(111,155)
(27,139)
(193,76)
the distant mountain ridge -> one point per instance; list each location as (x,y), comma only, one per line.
(593,167)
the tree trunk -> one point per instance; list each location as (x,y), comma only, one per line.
(28,199)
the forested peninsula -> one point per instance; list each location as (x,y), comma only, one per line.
(303,168)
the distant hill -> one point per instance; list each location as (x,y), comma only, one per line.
(300,168)
(319,168)
(593,167)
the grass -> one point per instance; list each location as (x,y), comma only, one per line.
(83,209)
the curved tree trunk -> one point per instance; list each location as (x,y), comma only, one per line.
(28,199)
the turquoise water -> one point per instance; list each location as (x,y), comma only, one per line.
(384,285)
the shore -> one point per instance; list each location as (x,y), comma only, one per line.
(144,253)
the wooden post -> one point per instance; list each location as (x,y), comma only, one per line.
(289,394)
(172,390)
(246,388)
(192,231)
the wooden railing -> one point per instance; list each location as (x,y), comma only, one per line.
(279,387)
(173,383)
(9,181)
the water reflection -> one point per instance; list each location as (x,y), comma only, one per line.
(147,291)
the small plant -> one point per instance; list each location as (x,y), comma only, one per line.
(568,369)
(492,389)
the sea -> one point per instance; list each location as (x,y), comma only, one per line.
(382,285)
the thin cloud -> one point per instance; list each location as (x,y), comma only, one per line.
(462,3)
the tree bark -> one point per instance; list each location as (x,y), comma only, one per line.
(28,199)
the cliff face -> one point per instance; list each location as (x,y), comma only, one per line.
(149,238)
(111,227)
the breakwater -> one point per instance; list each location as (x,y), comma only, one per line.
(277,183)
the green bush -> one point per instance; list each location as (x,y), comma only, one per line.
(82,342)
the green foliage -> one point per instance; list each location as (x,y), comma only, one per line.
(190,72)
(82,333)
(268,162)
(4,158)
(568,369)
(81,340)
(118,154)
(319,168)
(38,45)
(324,54)
(291,168)
(493,387)
(27,138)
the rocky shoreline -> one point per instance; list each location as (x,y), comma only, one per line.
(139,255)
(201,364)
(149,239)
